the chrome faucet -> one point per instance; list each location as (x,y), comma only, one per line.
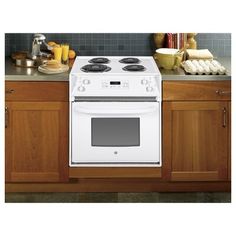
(38,40)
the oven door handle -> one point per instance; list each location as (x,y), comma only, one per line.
(92,111)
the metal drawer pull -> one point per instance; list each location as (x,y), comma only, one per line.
(10,91)
(221,92)
(6,117)
(224,117)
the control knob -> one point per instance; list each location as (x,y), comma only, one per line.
(149,89)
(86,81)
(144,81)
(81,88)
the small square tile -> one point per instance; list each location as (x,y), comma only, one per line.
(121,47)
(82,47)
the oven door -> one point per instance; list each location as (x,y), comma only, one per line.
(115,133)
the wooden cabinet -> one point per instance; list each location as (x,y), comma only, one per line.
(229,141)
(36,131)
(196,91)
(196,131)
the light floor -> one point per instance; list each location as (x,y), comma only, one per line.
(153,197)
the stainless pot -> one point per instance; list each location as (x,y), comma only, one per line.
(29,62)
(25,62)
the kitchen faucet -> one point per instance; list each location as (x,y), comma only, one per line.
(38,40)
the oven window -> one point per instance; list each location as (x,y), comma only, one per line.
(115,132)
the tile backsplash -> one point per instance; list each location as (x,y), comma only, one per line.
(218,43)
(116,44)
(98,44)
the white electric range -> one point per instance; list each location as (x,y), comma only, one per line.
(115,112)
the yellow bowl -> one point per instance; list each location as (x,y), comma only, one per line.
(168,58)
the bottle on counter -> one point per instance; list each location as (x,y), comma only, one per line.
(192,43)
(159,40)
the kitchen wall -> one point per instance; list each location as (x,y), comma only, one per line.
(117,44)
(219,44)
(90,44)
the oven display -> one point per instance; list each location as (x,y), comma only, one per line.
(114,82)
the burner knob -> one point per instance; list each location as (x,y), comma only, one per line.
(149,89)
(86,81)
(144,81)
(81,88)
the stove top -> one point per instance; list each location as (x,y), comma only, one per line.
(114,66)
(116,78)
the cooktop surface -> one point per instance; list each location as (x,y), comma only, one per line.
(115,66)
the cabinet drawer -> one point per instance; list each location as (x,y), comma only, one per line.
(196,90)
(36,91)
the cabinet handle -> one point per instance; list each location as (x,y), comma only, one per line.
(224,117)
(221,92)
(6,117)
(10,91)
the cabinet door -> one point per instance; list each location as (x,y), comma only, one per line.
(229,141)
(36,141)
(195,139)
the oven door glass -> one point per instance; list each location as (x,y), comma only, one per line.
(115,132)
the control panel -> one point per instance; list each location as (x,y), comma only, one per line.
(81,84)
(115,84)
(136,86)
(149,84)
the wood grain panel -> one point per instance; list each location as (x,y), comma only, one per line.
(166,140)
(35,176)
(196,90)
(63,154)
(196,141)
(8,144)
(194,176)
(36,91)
(114,172)
(120,185)
(198,133)
(182,149)
(37,142)
(229,140)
